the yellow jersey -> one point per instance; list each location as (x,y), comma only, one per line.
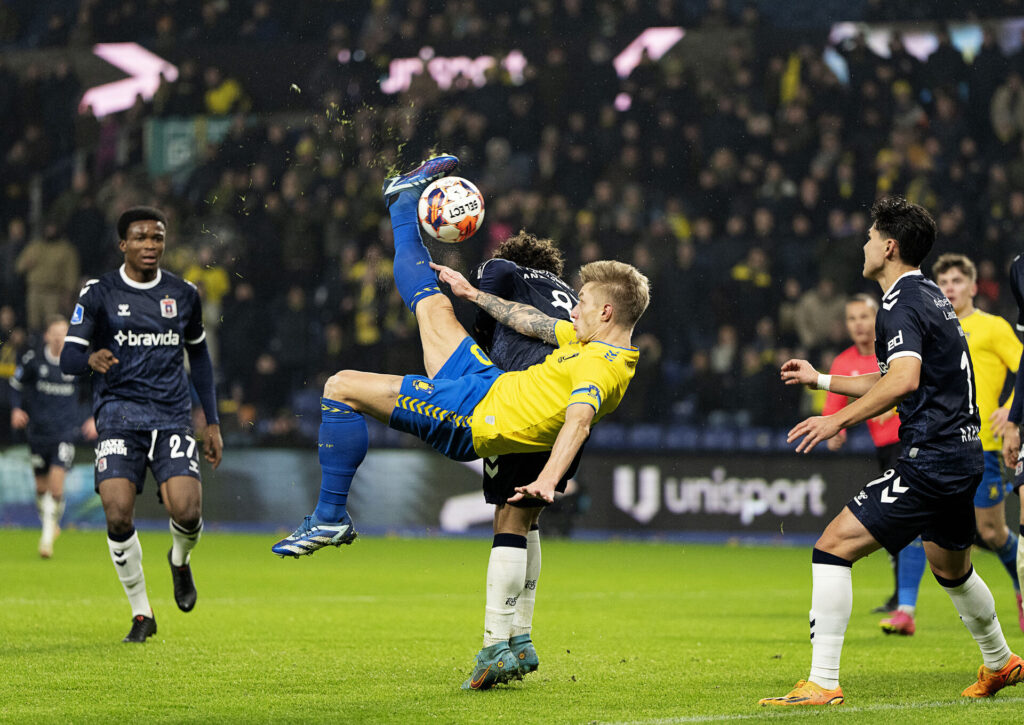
(995,350)
(524,410)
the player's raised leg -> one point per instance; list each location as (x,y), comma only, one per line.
(911,562)
(440,331)
(973,601)
(342,446)
(183,498)
(118,497)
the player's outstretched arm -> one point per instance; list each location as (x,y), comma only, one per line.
(571,437)
(524,319)
(902,379)
(801,372)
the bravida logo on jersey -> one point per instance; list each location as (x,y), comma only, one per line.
(147,339)
(168,307)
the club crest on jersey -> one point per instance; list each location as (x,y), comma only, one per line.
(123,311)
(423,386)
(168,307)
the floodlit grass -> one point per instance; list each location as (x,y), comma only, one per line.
(386,630)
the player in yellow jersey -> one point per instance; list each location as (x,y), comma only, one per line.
(464,406)
(995,352)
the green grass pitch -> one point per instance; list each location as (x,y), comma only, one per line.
(385,631)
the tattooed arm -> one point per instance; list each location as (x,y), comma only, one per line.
(524,319)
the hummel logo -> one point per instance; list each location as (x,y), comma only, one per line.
(118,552)
(892,300)
(122,562)
(123,311)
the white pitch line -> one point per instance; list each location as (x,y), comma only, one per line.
(776,712)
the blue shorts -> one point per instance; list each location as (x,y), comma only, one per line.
(439,410)
(991,489)
(43,455)
(931,498)
(125,454)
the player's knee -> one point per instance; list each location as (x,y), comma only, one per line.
(189,519)
(341,385)
(119,522)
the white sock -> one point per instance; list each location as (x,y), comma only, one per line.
(48,516)
(831,604)
(127,558)
(40,503)
(58,511)
(977,609)
(183,541)
(1020,555)
(522,620)
(907,609)
(506,572)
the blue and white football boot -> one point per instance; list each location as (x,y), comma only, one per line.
(419,178)
(310,537)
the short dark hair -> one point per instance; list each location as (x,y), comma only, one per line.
(909,224)
(526,250)
(138,214)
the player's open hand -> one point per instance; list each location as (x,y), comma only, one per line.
(19,418)
(213,444)
(461,287)
(799,372)
(815,430)
(999,420)
(1011,446)
(102,360)
(537,489)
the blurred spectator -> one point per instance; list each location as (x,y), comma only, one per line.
(50,267)
(817,312)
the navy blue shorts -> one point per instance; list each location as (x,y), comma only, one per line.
(503,473)
(125,454)
(933,499)
(439,410)
(43,455)
(991,491)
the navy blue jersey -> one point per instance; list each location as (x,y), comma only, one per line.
(917,320)
(1017,287)
(145,326)
(48,396)
(507,348)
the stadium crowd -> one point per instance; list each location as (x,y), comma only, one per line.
(738,182)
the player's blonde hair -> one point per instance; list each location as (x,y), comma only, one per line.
(629,289)
(951,260)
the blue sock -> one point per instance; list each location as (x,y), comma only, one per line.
(912,562)
(1008,555)
(343,444)
(413,276)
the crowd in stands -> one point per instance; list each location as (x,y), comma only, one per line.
(739,184)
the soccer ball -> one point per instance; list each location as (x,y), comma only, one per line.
(451,209)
